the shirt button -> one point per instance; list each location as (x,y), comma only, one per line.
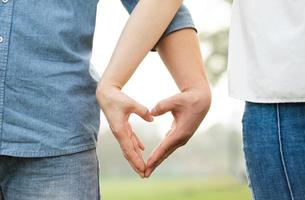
(4,1)
(1,39)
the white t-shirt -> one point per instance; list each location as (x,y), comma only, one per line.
(267,51)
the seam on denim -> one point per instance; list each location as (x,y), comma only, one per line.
(246,160)
(281,150)
(11,16)
(99,193)
(38,154)
(178,27)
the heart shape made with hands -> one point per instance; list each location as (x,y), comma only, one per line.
(188,109)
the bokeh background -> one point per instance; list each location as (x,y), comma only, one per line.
(211,166)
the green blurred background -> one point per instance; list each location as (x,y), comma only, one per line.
(211,166)
(174,189)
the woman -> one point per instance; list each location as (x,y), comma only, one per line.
(266,69)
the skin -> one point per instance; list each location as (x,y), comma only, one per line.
(181,53)
(145,26)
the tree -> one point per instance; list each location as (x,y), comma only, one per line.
(216,62)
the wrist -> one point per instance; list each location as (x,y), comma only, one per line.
(105,88)
(200,91)
(200,83)
(104,83)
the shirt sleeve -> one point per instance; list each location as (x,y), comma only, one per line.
(182,19)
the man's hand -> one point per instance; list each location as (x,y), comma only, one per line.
(117,108)
(188,109)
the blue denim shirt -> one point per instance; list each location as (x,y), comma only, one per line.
(47,96)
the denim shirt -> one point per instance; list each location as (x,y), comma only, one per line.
(47,96)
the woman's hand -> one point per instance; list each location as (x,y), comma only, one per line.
(117,108)
(188,108)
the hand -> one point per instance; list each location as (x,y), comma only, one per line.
(188,109)
(117,108)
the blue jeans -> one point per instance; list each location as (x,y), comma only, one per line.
(68,177)
(274,147)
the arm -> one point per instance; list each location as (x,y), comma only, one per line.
(182,19)
(142,31)
(148,21)
(180,52)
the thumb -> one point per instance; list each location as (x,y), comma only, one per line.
(143,112)
(165,106)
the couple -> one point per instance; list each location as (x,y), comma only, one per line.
(50,112)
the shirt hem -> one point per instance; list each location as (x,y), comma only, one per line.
(30,154)
(178,27)
(267,100)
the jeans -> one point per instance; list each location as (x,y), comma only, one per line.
(274,147)
(68,177)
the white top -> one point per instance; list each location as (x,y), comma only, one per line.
(267,51)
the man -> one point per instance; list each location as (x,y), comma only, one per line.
(266,69)
(49,115)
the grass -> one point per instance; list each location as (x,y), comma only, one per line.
(173,189)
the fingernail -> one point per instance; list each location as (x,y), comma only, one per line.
(153,111)
(147,174)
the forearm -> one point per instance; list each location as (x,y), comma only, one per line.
(180,51)
(144,28)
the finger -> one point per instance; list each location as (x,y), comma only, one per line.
(137,150)
(134,159)
(136,147)
(129,152)
(140,144)
(150,170)
(143,112)
(158,161)
(165,106)
(141,174)
(167,146)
